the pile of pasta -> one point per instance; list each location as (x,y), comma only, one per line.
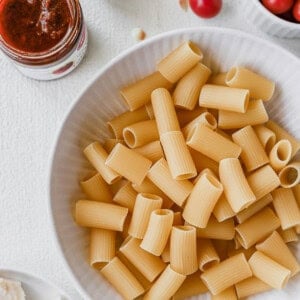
(197,191)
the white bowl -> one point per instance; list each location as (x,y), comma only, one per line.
(262,18)
(100,101)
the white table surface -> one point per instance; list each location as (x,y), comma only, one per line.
(31,113)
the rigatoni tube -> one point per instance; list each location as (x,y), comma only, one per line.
(158,231)
(259,86)
(236,187)
(224,98)
(97,156)
(187,90)
(269,271)
(180,61)
(164,111)
(263,181)
(128,163)
(286,207)
(96,188)
(257,227)
(266,136)
(253,154)
(126,196)
(178,156)
(226,274)
(289,176)
(122,279)
(152,151)
(202,201)
(280,154)
(138,93)
(102,247)
(176,190)
(144,205)
(206,254)
(212,144)
(141,133)
(117,124)
(275,248)
(96,214)
(255,114)
(251,286)
(183,249)
(149,265)
(166,285)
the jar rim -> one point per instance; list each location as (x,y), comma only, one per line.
(55,53)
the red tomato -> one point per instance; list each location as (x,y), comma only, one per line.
(296,11)
(206,8)
(278,6)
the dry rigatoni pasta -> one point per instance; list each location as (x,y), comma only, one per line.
(126,196)
(224,98)
(178,156)
(202,200)
(205,171)
(251,286)
(187,91)
(263,181)
(176,190)
(227,273)
(288,235)
(152,151)
(217,230)
(218,79)
(255,114)
(259,86)
(109,144)
(269,271)
(186,116)
(228,294)
(289,176)
(183,249)
(166,285)
(148,264)
(206,254)
(96,214)
(212,144)
(136,273)
(158,231)
(128,163)
(148,187)
(236,187)
(138,93)
(257,206)
(177,63)
(96,188)
(97,156)
(266,137)
(257,227)
(205,118)
(280,154)
(177,220)
(202,162)
(222,210)
(275,248)
(102,247)
(253,154)
(144,205)
(117,124)
(282,134)
(122,279)
(141,133)
(192,286)
(286,207)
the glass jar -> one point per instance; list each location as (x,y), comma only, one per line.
(45,39)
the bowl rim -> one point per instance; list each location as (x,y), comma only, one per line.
(106,67)
(272,17)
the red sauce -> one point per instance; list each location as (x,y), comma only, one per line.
(34,25)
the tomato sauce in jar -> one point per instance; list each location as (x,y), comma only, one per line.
(45,38)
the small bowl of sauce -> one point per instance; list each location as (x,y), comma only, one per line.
(46,39)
